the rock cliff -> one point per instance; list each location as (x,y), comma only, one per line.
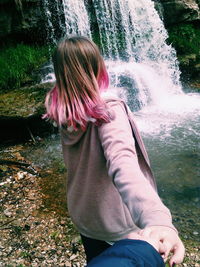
(178,11)
(24,20)
(182,19)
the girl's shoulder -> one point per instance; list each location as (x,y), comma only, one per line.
(112,94)
(112,99)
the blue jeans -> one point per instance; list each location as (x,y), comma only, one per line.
(124,253)
(93,247)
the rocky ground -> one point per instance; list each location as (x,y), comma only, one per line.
(35,227)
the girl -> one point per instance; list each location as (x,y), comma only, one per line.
(111,192)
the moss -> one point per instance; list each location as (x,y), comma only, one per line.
(18,62)
(185,38)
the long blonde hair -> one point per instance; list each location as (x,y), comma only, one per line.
(80,76)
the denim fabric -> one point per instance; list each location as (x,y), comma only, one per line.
(128,253)
(93,247)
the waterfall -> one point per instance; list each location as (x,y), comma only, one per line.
(132,31)
(64,18)
(76,17)
(129,30)
(133,41)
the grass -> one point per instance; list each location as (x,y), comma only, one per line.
(17,64)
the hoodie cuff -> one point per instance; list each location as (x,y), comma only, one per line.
(157,218)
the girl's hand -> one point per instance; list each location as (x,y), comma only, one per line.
(153,241)
(170,242)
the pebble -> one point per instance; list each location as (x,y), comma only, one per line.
(20,175)
(7,213)
(3,183)
(195,233)
(15,186)
(73,257)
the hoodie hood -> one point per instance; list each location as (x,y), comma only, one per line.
(70,136)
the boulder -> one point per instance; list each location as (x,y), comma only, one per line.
(21,113)
(24,102)
(22,20)
(177,11)
(190,67)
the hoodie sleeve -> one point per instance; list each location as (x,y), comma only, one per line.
(143,202)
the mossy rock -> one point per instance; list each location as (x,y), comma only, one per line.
(21,113)
(24,102)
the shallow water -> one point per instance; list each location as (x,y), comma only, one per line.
(175,161)
(172,136)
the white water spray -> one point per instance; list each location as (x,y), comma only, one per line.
(76,18)
(139,60)
(71,18)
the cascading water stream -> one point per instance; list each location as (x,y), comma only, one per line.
(140,39)
(64,18)
(145,66)
(139,60)
(68,16)
(76,18)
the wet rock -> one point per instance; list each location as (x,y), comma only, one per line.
(24,102)
(21,113)
(8,213)
(22,20)
(190,66)
(176,11)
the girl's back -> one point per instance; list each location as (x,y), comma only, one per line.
(111,192)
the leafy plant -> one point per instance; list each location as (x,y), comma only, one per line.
(185,38)
(25,254)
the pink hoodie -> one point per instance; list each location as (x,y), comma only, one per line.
(111,191)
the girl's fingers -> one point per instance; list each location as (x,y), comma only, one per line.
(162,249)
(170,243)
(178,254)
(167,250)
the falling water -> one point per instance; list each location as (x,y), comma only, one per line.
(139,39)
(139,60)
(49,25)
(138,33)
(144,66)
(76,17)
(108,28)
(65,18)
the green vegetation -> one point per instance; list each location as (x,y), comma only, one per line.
(17,64)
(185,38)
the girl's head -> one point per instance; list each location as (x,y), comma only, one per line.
(80,76)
